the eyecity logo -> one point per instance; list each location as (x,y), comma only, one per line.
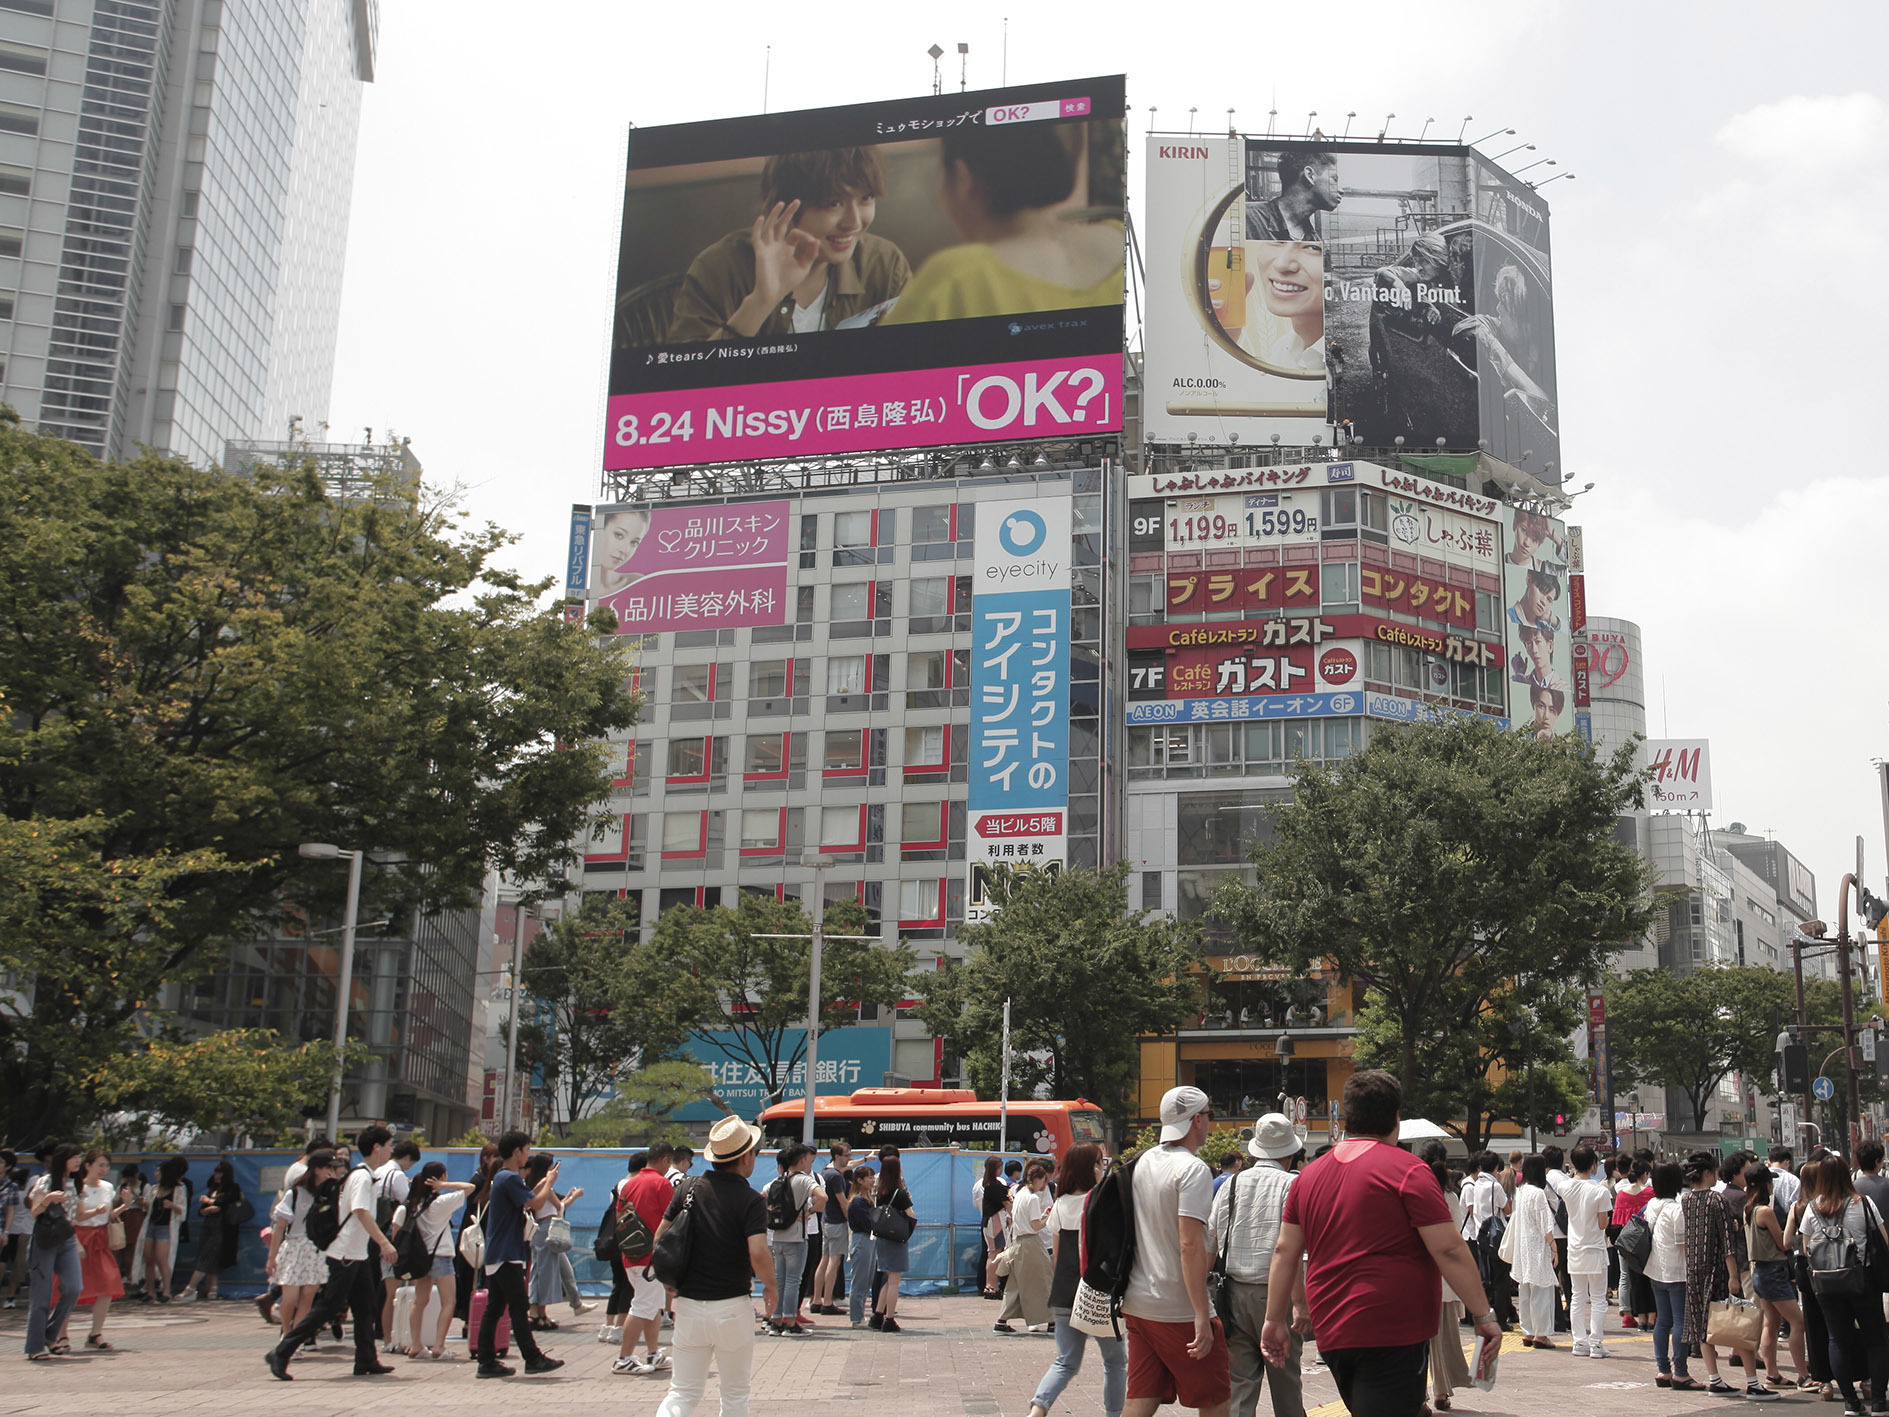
(1022,533)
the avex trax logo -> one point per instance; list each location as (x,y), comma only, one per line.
(1022,535)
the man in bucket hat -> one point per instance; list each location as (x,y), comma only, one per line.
(1245,1227)
(727,1253)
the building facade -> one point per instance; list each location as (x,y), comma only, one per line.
(175,185)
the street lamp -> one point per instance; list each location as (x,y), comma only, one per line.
(819,865)
(322,851)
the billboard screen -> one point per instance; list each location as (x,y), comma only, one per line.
(913,273)
(1398,292)
(688,568)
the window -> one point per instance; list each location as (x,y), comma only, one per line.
(688,757)
(925,669)
(760,829)
(1146,601)
(681,832)
(846,674)
(845,750)
(692,684)
(921,823)
(839,826)
(764,753)
(184,258)
(931,524)
(852,529)
(850,602)
(6,306)
(22,58)
(28,7)
(931,597)
(767,678)
(771,682)
(15,118)
(12,240)
(15,181)
(1151,890)
(924,747)
(1338,507)
(918,900)
(1338,585)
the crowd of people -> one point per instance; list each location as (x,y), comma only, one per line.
(1380,1257)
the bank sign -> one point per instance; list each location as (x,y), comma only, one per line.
(1019,792)
(849,1058)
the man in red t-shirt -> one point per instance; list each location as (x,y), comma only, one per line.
(646,1190)
(1375,1232)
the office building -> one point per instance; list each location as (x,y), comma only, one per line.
(175,184)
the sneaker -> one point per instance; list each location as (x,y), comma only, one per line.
(1598,1351)
(277,1368)
(1036,1328)
(1001,1327)
(1718,1387)
(1629,1321)
(770,1328)
(668,1320)
(658,1362)
(580,1307)
(630,1364)
(890,1326)
(1758,1392)
(606,1334)
(791,1331)
(495,1370)
(877,1321)
(1581,1350)
(189,1296)
(541,1364)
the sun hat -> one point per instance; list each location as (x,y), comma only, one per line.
(730,1139)
(1274,1139)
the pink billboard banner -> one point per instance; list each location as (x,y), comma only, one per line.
(920,408)
(692,568)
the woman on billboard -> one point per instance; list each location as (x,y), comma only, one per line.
(1010,193)
(808,263)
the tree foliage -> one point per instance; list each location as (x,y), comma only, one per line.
(244,1080)
(753,962)
(1085,977)
(643,1111)
(599,1000)
(206,670)
(1455,871)
(1688,1032)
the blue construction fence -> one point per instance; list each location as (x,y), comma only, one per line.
(944,1248)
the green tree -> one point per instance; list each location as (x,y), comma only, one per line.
(210,669)
(643,1111)
(1447,867)
(1688,1032)
(754,960)
(245,1080)
(1085,977)
(599,1000)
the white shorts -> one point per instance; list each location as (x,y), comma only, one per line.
(646,1293)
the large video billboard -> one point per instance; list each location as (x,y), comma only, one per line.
(1382,292)
(914,273)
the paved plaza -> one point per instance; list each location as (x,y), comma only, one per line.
(208,1359)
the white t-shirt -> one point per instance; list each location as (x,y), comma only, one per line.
(393,1183)
(291,1209)
(801,1185)
(810,319)
(1031,1209)
(1667,1263)
(1557,1190)
(357,1194)
(1170,1182)
(99,1193)
(435,1222)
(1066,1214)
(1586,1201)
(43,1183)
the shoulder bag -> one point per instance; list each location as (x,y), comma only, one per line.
(557,1235)
(1635,1241)
(1219,1287)
(52,1226)
(892,1224)
(1733,1323)
(669,1260)
(1875,1251)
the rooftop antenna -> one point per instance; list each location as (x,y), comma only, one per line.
(1348,117)
(1272,113)
(937,78)
(1387,126)
(767,71)
(964,61)
(1468,118)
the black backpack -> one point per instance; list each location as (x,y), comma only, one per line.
(324,1216)
(1108,1233)
(606,1242)
(782,1213)
(411,1257)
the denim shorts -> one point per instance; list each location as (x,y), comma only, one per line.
(442,1267)
(1771,1279)
(158,1234)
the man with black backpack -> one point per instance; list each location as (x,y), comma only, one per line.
(348,1207)
(789,1197)
(641,1201)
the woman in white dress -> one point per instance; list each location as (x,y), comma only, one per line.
(1531,1230)
(294,1262)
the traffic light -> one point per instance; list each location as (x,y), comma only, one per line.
(1795,1067)
(1875,908)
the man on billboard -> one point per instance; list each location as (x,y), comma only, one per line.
(1546,705)
(1536,605)
(1008,191)
(1537,546)
(1424,369)
(1308,185)
(1534,666)
(808,263)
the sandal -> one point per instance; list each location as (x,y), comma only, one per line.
(1688,1385)
(97,1344)
(60,1348)
(1442,1404)
(40,1357)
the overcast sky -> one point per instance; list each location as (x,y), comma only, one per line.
(1722,293)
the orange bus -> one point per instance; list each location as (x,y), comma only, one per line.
(871,1117)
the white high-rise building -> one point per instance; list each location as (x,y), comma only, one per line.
(175,183)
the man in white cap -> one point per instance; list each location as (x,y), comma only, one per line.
(727,1253)
(1177,1349)
(1245,1227)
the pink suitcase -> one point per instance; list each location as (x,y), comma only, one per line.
(475,1315)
